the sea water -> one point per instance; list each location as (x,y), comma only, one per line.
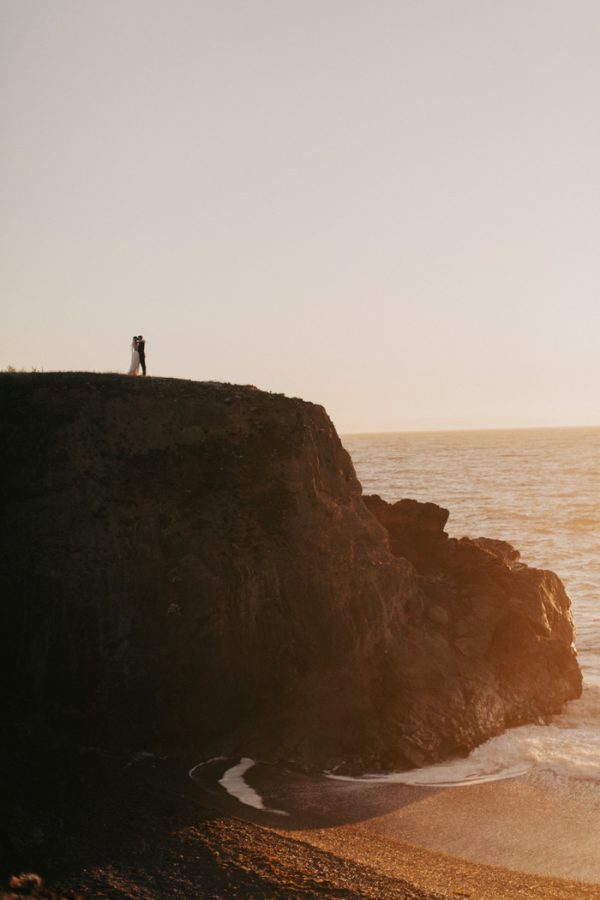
(540,490)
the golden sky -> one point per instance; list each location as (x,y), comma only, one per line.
(388,207)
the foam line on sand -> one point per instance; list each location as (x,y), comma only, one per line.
(235,784)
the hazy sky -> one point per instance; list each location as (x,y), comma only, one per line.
(388,207)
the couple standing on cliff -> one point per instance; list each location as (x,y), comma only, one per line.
(138,355)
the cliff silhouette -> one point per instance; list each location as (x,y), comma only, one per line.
(194,565)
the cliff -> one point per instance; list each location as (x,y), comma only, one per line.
(193,565)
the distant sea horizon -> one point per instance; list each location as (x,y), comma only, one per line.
(468,428)
(538,489)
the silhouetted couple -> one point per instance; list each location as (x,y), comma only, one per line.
(138,355)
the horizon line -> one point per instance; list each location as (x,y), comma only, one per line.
(475,428)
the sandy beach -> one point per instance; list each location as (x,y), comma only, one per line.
(520,837)
(98,824)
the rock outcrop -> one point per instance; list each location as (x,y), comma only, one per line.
(500,633)
(193,565)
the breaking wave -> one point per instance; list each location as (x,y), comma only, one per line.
(567,748)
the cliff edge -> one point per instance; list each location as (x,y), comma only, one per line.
(194,565)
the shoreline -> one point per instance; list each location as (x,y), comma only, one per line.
(389,828)
(101,824)
(526,835)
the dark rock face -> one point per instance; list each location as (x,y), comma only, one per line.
(193,565)
(501,632)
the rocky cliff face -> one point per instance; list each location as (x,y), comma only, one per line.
(194,565)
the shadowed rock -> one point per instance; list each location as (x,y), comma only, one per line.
(193,565)
(504,651)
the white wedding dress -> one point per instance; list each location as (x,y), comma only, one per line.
(135,360)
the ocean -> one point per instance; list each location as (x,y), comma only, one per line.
(528,799)
(538,489)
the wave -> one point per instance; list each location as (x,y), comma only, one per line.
(568,748)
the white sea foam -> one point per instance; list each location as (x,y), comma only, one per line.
(538,490)
(195,769)
(568,748)
(235,784)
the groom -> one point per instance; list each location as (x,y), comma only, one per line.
(141,347)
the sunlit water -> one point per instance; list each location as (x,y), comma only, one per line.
(539,490)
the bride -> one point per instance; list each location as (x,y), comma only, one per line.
(135,357)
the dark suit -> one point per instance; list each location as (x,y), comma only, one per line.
(142,351)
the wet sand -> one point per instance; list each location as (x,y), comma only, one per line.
(92,823)
(522,837)
(97,824)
